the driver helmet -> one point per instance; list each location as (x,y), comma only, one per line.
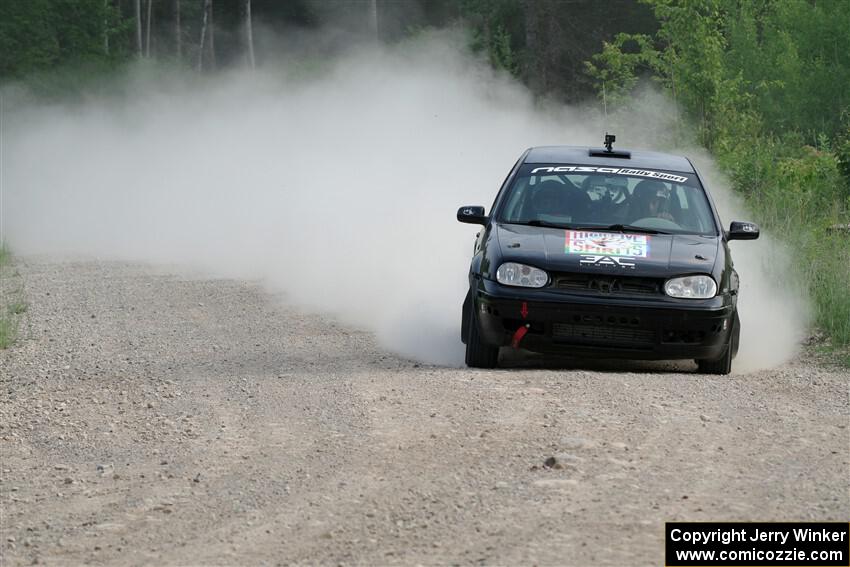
(617,187)
(651,196)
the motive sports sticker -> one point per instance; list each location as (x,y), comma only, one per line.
(612,170)
(606,244)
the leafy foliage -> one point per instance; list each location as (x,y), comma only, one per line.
(495,31)
(765,82)
(40,34)
(621,62)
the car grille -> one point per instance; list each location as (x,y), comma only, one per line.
(603,336)
(595,284)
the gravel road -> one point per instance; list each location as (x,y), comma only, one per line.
(148,418)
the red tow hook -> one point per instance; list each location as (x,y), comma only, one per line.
(519,334)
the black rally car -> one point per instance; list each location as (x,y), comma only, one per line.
(602,252)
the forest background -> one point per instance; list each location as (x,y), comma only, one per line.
(764,85)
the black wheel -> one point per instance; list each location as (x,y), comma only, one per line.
(478,353)
(465,316)
(723,364)
(736,335)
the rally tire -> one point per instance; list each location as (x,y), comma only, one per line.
(736,335)
(723,364)
(478,353)
(465,317)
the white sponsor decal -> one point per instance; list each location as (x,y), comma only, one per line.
(612,170)
(607,261)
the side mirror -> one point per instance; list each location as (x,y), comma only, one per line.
(743,231)
(472,215)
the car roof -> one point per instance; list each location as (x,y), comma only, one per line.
(580,155)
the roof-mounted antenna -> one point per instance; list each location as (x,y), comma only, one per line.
(609,142)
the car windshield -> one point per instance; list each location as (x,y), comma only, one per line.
(575,196)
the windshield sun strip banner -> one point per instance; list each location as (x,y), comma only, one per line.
(652,174)
(606,244)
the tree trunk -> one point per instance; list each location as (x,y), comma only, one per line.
(106,27)
(532,46)
(203,35)
(212,36)
(549,46)
(249,33)
(178,40)
(539,38)
(148,30)
(373,19)
(137,4)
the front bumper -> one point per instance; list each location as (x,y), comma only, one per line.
(580,325)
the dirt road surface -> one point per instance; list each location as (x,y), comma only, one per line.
(151,419)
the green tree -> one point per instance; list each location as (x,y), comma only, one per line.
(765,82)
(39,34)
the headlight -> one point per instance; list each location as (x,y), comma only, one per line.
(511,273)
(691,287)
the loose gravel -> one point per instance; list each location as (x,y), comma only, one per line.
(152,419)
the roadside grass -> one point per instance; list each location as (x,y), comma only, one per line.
(8,331)
(828,275)
(823,264)
(12,304)
(829,354)
(802,196)
(830,285)
(17,307)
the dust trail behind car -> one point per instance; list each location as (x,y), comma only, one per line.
(338,187)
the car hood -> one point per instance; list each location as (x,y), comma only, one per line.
(647,255)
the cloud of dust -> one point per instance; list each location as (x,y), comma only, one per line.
(338,187)
(772,303)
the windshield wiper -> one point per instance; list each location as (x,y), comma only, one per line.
(612,227)
(547,224)
(631,228)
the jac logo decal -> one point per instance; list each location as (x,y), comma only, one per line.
(613,261)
